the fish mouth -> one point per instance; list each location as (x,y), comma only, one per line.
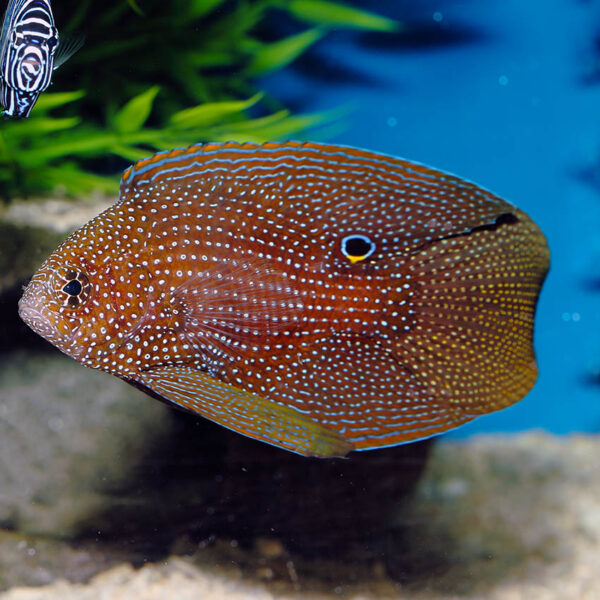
(38,321)
(36,310)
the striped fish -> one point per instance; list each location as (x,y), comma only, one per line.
(316,297)
(28,54)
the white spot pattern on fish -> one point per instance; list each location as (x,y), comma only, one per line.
(219,282)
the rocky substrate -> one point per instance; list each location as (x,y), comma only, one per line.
(30,230)
(496,518)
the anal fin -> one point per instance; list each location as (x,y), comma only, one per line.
(245,412)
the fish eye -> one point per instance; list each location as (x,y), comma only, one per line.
(73,287)
(52,41)
(357,247)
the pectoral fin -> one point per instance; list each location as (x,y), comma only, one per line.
(245,412)
(67,46)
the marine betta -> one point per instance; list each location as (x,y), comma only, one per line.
(28,54)
(316,297)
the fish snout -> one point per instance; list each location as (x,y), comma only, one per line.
(33,309)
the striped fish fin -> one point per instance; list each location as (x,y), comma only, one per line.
(244,412)
(414,202)
(7,20)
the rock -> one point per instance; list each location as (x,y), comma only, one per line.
(54,214)
(505,517)
(174,579)
(31,230)
(22,250)
(27,560)
(312,505)
(494,517)
(69,437)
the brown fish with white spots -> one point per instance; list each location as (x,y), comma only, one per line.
(316,297)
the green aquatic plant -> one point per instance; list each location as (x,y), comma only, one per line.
(199,50)
(32,166)
(206,55)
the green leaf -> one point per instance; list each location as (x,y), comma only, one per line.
(75,181)
(48,101)
(189,79)
(34,128)
(136,8)
(211,58)
(335,14)
(276,129)
(211,113)
(135,113)
(281,53)
(199,8)
(254,124)
(93,144)
(129,153)
(119,48)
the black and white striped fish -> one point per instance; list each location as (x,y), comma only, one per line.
(28,54)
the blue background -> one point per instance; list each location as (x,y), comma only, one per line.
(509,105)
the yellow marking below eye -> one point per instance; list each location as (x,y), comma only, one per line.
(355,259)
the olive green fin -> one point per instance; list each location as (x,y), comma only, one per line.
(245,412)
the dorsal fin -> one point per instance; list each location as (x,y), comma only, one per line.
(416,204)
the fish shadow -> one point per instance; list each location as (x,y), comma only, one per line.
(210,484)
(383,519)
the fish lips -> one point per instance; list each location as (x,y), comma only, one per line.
(37,310)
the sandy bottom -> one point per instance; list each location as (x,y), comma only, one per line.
(495,518)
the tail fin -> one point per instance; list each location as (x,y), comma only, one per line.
(470,334)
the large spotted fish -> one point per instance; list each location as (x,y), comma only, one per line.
(28,53)
(317,297)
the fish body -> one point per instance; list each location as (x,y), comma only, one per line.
(28,53)
(316,297)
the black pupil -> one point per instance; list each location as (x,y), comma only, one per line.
(357,246)
(73,288)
